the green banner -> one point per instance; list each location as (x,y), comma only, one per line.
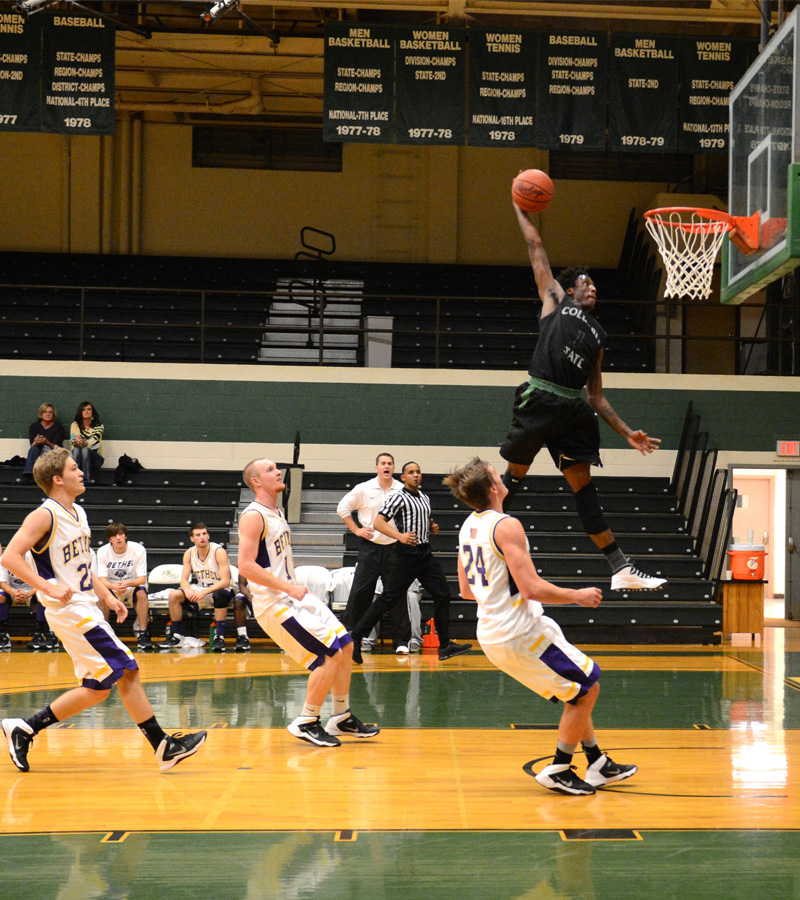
(358,102)
(502,88)
(20,72)
(643,112)
(711,68)
(78,57)
(431,85)
(572,91)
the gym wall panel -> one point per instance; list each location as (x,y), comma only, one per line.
(414,204)
(32,192)
(186,411)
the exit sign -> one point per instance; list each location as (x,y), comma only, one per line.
(788,448)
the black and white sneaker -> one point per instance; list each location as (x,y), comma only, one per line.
(562,778)
(347,723)
(218,646)
(173,640)
(176,747)
(605,771)
(5,641)
(37,642)
(242,644)
(20,737)
(51,642)
(143,642)
(632,579)
(313,732)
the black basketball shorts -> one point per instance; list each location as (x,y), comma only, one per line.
(568,428)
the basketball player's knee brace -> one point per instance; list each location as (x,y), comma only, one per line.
(591,516)
(222,598)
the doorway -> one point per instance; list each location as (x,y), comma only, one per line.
(762,510)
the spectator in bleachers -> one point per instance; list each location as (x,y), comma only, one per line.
(122,567)
(86,438)
(45,434)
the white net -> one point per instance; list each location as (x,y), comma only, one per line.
(689,243)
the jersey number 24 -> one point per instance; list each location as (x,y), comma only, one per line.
(475,560)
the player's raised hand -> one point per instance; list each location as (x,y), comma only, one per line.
(589,597)
(642,442)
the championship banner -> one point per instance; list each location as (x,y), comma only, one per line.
(572,91)
(711,68)
(20,72)
(78,59)
(358,80)
(644,73)
(430,71)
(502,88)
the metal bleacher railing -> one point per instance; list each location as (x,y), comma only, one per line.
(703,496)
(427,331)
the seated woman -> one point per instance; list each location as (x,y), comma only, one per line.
(44,435)
(86,435)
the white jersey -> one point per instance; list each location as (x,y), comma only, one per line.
(66,556)
(503,613)
(366,499)
(17,584)
(274,554)
(206,570)
(122,566)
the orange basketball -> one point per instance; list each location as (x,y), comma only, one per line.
(532,190)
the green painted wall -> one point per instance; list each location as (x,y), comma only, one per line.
(358,413)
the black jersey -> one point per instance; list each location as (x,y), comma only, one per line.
(569,342)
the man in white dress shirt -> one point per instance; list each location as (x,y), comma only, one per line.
(374,551)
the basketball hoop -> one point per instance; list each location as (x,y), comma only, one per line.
(689,239)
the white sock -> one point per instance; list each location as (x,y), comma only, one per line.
(341,705)
(310,712)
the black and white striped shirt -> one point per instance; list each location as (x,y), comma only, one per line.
(411,512)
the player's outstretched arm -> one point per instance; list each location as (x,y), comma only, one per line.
(639,440)
(510,538)
(550,291)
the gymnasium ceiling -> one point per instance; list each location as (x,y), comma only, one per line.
(266,65)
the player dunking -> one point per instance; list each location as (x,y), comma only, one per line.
(297,621)
(549,409)
(495,569)
(59,537)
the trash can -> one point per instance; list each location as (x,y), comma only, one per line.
(747,562)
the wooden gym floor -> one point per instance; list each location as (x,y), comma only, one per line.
(441,805)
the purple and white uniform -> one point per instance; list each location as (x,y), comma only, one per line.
(513,631)
(65,558)
(306,629)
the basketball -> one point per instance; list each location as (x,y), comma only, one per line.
(532,190)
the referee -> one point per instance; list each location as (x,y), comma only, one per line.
(413,559)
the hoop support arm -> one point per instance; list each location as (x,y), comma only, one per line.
(745,233)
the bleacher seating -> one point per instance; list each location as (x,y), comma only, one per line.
(154,311)
(157,506)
